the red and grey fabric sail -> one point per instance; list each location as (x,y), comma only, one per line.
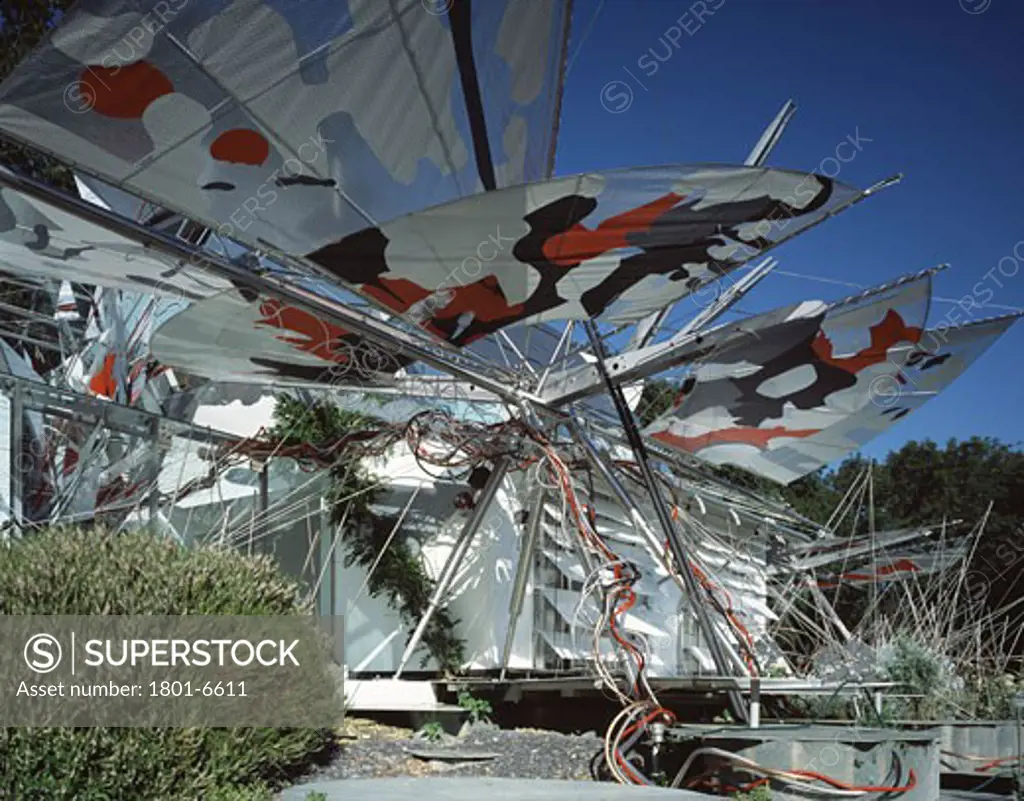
(750,404)
(921,372)
(815,388)
(614,245)
(942,355)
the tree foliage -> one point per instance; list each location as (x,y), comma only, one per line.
(23,24)
(655,400)
(924,483)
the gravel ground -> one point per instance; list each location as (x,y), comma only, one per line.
(369,750)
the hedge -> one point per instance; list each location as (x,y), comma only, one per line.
(69,571)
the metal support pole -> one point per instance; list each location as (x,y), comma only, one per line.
(771,136)
(1018,706)
(691,342)
(657,743)
(871,534)
(826,609)
(264,489)
(523,571)
(326,591)
(325,596)
(263,505)
(676,545)
(337,617)
(154,472)
(871,498)
(17,466)
(730,296)
(458,553)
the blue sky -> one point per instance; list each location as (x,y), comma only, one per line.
(938,91)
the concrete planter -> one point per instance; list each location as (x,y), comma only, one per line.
(970,746)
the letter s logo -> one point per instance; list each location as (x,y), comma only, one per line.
(42,653)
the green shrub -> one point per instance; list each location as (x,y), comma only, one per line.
(432,732)
(822,707)
(479,709)
(990,697)
(255,792)
(75,572)
(68,571)
(925,674)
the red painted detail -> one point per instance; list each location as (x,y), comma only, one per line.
(884,335)
(899,566)
(241,146)
(117,490)
(315,336)
(70,460)
(483,298)
(123,92)
(103,383)
(579,243)
(759,437)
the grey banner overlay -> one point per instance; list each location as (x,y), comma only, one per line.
(173,671)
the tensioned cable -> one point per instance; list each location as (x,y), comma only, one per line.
(584,36)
